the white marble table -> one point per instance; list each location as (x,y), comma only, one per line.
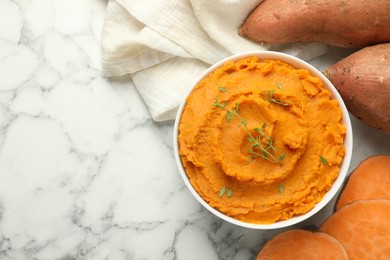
(85,173)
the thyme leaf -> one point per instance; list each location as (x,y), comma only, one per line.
(229,116)
(222,89)
(323,160)
(282,157)
(222,191)
(281,188)
(229,193)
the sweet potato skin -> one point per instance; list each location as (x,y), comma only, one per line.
(363,81)
(344,23)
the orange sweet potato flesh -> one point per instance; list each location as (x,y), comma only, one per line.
(369,180)
(363,81)
(363,227)
(344,23)
(302,244)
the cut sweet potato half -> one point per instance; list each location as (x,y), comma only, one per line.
(363,227)
(369,180)
(302,244)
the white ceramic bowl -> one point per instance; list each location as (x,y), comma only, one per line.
(297,63)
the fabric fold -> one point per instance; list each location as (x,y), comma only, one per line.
(165,45)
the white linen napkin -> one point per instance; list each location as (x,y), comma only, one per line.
(165,45)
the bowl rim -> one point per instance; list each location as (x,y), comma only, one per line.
(348,140)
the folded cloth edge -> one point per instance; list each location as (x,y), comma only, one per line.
(123,54)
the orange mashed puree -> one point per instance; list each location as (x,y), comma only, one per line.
(260,140)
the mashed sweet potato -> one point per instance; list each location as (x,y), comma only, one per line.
(260,140)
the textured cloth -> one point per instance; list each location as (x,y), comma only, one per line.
(165,45)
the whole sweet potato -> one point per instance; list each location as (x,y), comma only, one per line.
(363,80)
(344,23)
